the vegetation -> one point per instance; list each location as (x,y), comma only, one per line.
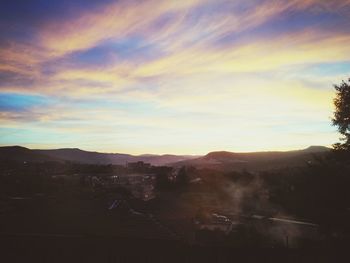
(342,115)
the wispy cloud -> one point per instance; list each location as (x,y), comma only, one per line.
(200,74)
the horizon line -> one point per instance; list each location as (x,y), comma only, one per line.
(178,154)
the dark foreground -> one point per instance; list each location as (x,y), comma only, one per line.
(70,248)
(67,212)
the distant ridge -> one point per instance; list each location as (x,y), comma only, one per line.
(81,156)
(22,154)
(224,160)
(77,155)
(226,154)
(218,159)
(316,149)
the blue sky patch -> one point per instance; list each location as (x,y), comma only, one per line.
(20,102)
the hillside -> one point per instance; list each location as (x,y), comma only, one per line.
(80,156)
(223,160)
(77,155)
(21,154)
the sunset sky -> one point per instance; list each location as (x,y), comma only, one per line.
(183,77)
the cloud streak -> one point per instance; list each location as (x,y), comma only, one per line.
(201,74)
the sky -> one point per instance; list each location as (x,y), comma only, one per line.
(182,77)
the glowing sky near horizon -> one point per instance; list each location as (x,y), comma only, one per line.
(183,77)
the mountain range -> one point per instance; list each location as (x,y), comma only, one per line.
(22,154)
(222,160)
(255,161)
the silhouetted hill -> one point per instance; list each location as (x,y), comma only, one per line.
(224,160)
(316,149)
(80,156)
(232,156)
(22,154)
(217,160)
(77,155)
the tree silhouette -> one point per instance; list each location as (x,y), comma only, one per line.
(341,117)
